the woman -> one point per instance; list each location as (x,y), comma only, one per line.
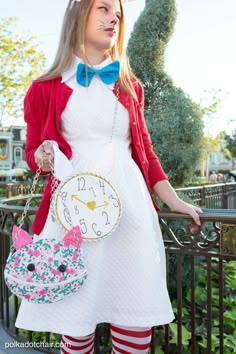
(97,122)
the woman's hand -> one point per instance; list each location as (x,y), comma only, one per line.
(167,194)
(44,155)
(185,208)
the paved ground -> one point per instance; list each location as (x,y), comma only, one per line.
(8,345)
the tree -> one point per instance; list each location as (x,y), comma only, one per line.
(209,145)
(231,143)
(21,62)
(230,150)
(175,122)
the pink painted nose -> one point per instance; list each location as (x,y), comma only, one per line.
(115,20)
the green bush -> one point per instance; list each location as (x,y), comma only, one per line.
(41,337)
(3,193)
(229,316)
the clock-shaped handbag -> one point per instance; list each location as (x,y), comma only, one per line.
(89,201)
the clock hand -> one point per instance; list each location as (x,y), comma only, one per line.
(91,205)
(103,205)
(74,196)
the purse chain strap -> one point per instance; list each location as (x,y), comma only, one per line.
(32,190)
(115,112)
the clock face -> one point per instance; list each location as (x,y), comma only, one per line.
(89,201)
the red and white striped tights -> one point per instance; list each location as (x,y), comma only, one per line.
(125,340)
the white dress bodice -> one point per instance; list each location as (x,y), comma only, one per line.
(90,125)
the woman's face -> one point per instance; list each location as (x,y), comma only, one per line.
(102,25)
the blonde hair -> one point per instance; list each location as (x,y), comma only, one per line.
(72,37)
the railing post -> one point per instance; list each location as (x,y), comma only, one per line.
(1,275)
(203,197)
(9,190)
(225,197)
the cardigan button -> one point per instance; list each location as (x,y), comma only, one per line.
(134,123)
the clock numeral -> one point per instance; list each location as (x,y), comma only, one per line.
(116,203)
(76,209)
(107,221)
(63,196)
(81,184)
(91,189)
(83,226)
(67,216)
(98,233)
(102,185)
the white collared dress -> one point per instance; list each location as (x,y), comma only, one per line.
(126,282)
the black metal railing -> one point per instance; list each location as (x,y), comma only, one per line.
(22,189)
(200,276)
(215,196)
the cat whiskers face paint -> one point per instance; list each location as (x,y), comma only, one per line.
(106,26)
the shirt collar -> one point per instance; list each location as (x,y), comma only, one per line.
(68,74)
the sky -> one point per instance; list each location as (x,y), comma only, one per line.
(200,57)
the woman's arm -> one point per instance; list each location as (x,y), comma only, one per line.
(33,107)
(38,152)
(167,194)
(158,179)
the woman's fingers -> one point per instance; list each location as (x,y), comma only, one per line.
(196,217)
(44,156)
(47,147)
(194,212)
(189,209)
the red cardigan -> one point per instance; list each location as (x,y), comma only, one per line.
(43,106)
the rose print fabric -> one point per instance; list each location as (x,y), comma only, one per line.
(47,270)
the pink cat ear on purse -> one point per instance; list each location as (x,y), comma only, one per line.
(20,237)
(73,237)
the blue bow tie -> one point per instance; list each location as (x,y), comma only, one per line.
(108,74)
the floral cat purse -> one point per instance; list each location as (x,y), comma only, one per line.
(47,270)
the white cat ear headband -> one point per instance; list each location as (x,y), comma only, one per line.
(73,1)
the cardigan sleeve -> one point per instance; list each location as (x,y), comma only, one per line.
(33,113)
(155,169)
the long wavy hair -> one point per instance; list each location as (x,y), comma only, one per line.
(73,37)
